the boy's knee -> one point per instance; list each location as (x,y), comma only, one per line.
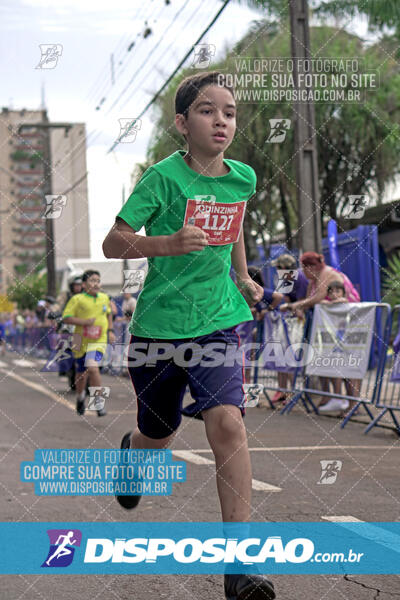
(143,441)
(228,426)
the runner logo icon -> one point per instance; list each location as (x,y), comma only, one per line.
(61,551)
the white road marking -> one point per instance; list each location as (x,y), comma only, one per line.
(259,486)
(41,389)
(192,457)
(60,399)
(342,519)
(3,364)
(22,362)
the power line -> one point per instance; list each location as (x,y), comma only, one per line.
(118,49)
(162,88)
(141,34)
(96,132)
(138,86)
(150,54)
(105,86)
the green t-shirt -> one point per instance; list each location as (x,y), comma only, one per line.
(192,294)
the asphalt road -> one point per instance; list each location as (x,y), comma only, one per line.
(286,451)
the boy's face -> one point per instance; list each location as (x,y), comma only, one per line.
(211,121)
(92,284)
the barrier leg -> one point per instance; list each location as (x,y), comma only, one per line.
(291,403)
(395,421)
(376,420)
(307,398)
(269,400)
(351,413)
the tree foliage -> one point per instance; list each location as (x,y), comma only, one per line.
(391,281)
(358,143)
(28,291)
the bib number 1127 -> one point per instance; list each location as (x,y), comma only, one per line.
(225,225)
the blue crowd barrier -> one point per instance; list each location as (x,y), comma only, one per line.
(43,342)
(300,387)
(388,399)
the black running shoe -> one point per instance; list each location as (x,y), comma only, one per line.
(80,406)
(248,587)
(127,502)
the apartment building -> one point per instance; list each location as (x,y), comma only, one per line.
(22,191)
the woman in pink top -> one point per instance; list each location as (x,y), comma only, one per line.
(320,276)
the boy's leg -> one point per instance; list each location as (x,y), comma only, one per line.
(227,436)
(140,441)
(80,381)
(80,385)
(159,390)
(94,376)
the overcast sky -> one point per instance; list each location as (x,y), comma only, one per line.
(89,33)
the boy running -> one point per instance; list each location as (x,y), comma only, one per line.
(192,205)
(90,312)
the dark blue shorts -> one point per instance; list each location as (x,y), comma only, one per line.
(160,383)
(95,355)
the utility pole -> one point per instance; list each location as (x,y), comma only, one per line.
(305,141)
(47,191)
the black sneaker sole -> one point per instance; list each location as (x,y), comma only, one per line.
(127,502)
(80,407)
(255,591)
(257,594)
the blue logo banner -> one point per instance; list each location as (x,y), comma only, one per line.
(193,548)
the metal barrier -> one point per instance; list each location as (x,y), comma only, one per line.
(371,384)
(43,342)
(32,341)
(389,381)
(279,330)
(301,388)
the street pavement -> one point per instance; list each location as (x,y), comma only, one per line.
(38,412)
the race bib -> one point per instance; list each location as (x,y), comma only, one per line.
(222,221)
(92,332)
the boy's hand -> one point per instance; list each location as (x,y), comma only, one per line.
(251,291)
(188,239)
(89,321)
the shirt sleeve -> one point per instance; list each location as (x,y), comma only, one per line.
(70,308)
(253,181)
(108,306)
(144,201)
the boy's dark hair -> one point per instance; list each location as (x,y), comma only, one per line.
(336,285)
(89,273)
(189,89)
(256,275)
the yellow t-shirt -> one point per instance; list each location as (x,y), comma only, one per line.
(85,306)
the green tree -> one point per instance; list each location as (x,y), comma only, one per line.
(381,14)
(358,143)
(391,281)
(28,291)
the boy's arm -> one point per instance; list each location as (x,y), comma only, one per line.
(251,291)
(78,321)
(69,314)
(123,242)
